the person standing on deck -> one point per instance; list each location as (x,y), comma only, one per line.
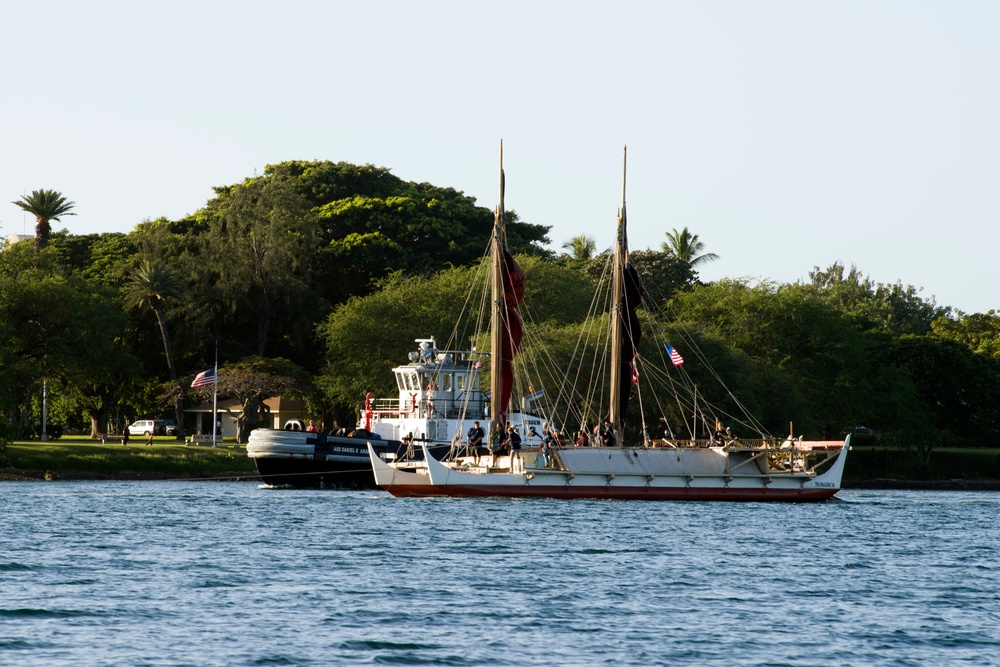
(429,394)
(476,435)
(607,435)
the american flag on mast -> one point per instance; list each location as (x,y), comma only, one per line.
(204,378)
(675,356)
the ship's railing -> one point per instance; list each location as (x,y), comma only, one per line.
(439,407)
(748,443)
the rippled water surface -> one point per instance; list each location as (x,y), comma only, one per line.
(202,573)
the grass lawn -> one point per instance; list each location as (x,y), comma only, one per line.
(80,457)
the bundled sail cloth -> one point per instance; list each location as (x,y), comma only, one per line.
(511,330)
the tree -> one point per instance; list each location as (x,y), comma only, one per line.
(262,241)
(958,389)
(45,205)
(65,331)
(686,247)
(816,359)
(434,225)
(896,309)
(581,247)
(663,274)
(252,381)
(151,285)
(980,332)
(364,339)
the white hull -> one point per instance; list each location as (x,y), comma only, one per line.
(401,481)
(641,473)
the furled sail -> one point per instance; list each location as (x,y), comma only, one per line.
(505,339)
(629,335)
(511,329)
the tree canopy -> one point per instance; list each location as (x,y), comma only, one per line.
(314,278)
(687,247)
(46,206)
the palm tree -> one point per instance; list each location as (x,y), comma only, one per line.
(685,246)
(151,285)
(582,247)
(45,205)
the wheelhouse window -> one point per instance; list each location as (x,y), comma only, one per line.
(412,383)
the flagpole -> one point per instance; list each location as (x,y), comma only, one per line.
(215,394)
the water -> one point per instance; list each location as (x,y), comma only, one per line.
(203,573)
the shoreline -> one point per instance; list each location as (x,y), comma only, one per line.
(924,485)
(879,484)
(24,475)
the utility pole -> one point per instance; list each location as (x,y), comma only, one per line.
(45,408)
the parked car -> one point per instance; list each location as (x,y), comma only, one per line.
(142,427)
(862,435)
(155,426)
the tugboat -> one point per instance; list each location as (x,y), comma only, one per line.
(439,400)
(298,458)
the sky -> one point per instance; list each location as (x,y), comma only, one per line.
(788,135)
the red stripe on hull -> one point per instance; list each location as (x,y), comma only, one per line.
(410,490)
(635,493)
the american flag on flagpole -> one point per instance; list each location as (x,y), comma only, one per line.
(204,378)
(675,356)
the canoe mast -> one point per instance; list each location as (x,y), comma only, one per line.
(497,411)
(618,318)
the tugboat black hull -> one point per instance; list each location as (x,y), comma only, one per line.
(311,474)
(314,460)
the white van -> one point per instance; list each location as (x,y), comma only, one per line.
(142,427)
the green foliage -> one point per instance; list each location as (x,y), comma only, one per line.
(338,267)
(252,381)
(980,332)
(554,292)
(150,285)
(365,337)
(417,229)
(663,275)
(581,248)
(45,205)
(896,309)
(262,240)
(687,247)
(815,358)
(956,387)
(63,329)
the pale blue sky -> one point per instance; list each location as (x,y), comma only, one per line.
(787,134)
